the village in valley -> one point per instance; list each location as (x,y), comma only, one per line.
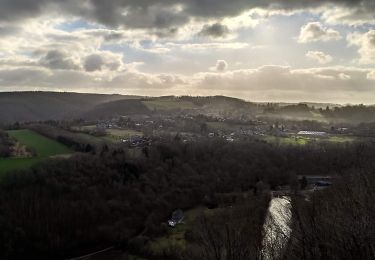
(196,163)
(138,130)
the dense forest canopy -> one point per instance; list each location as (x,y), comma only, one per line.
(130,162)
(65,207)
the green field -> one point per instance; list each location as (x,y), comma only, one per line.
(116,135)
(84,128)
(175,239)
(122,133)
(286,140)
(301,140)
(91,138)
(112,135)
(43,146)
(341,139)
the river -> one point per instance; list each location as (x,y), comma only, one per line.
(277,228)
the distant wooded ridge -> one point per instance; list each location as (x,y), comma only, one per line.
(42,106)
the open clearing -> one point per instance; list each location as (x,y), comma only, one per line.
(43,146)
(176,236)
(118,134)
(84,128)
(341,139)
(302,140)
(287,140)
(112,135)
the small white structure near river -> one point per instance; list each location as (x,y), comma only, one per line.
(312,133)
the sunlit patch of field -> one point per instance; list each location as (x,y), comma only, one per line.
(84,128)
(302,140)
(119,134)
(43,146)
(291,140)
(341,139)
(111,135)
(175,238)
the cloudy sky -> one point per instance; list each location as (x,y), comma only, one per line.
(258,50)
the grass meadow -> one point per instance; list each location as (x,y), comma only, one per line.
(43,146)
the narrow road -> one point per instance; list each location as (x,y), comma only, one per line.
(92,254)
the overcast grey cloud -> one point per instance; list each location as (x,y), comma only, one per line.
(100,61)
(56,59)
(94,62)
(221,65)
(215,30)
(179,47)
(165,13)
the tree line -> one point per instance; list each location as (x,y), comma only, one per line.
(6,143)
(67,207)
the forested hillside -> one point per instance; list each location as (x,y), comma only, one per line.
(36,106)
(41,106)
(116,108)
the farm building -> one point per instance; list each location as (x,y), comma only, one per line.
(317,178)
(312,133)
(177,218)
(317,182)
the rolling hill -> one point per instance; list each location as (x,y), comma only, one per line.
(117,108)
(42,106)
(39,106)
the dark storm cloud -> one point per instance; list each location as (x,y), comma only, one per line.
(163,13)
(18,9)
(229,8)
(56,59)
(215,30)
(98,62)
(113,36)
(93,62)
(139,14)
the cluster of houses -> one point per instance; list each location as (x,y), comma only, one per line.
(248,132)
(137,141)
(106,125)
(158,125)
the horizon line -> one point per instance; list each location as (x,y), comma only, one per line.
(177,96)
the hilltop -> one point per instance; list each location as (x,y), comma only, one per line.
(42,106)
(35,106)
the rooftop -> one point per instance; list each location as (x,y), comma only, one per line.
(311,133)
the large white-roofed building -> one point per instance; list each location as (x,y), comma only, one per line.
(312,133)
